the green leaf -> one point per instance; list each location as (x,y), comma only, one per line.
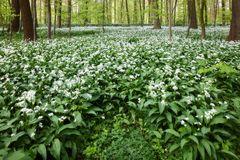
(149,102)
(152,111)
(174,107)
(56,149)
(87,96)
(157,134)
(161,107)
(174,147)
(201,151)
(17,155)
(223,132)
(173,132)
(66,126)
(229,153)
(169,117)
(206,145)
(42,151)
(183,142)
(194,139)
(205,130)
(218,120)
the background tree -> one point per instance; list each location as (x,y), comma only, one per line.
(15,23)
(192,15)
(27,20)
(234,33)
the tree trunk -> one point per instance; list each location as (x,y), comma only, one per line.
(203,29)
(34,11)
(49,19)
(223,13)
(15,23)
(234,33)
(192,15)
(127,10)
(170,18)
(69,16)
(215,12)
(156,21)
(59,14)
(27,20)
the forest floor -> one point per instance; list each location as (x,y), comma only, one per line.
(127,93)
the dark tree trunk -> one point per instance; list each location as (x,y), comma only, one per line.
(15,23)
(27,20)
(156,21)
(202,6)
(234,33)
(49,19)
(223,13)
(192,14)
(69,13)
(59,14)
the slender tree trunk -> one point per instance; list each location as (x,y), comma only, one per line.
(203,32)
(170,18)
(34,11)
(223,13)
(49,19)
(215,12)
(59,14)
(121,12)
(127,10)
(135,15)
(115,11)
(156,21)
(55,18)
(192,14)
(15,23)
(69,16)
(234,33)
(167,12)
(27,20)
(141,12)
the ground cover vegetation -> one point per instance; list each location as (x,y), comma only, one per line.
(126,93)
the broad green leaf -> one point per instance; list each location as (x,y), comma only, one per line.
(66,126)
(206,145)
(183,142)
(149,102)
(17,155)
(161,107)
(174,107)
(56,149)
(174,147)
(42,151)
(173,132)
(157,134)
(87,96)
(169,117)
(152,111)
(194,139)
(231,154)
(201,150)
(218,120)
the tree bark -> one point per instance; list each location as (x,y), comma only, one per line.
(192,14)
(27,20)
(49,19)
(127,10)
(15,23)
(223,12)
(156,19)
(203,29)
(170,18)
(234,33)
(59,14)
